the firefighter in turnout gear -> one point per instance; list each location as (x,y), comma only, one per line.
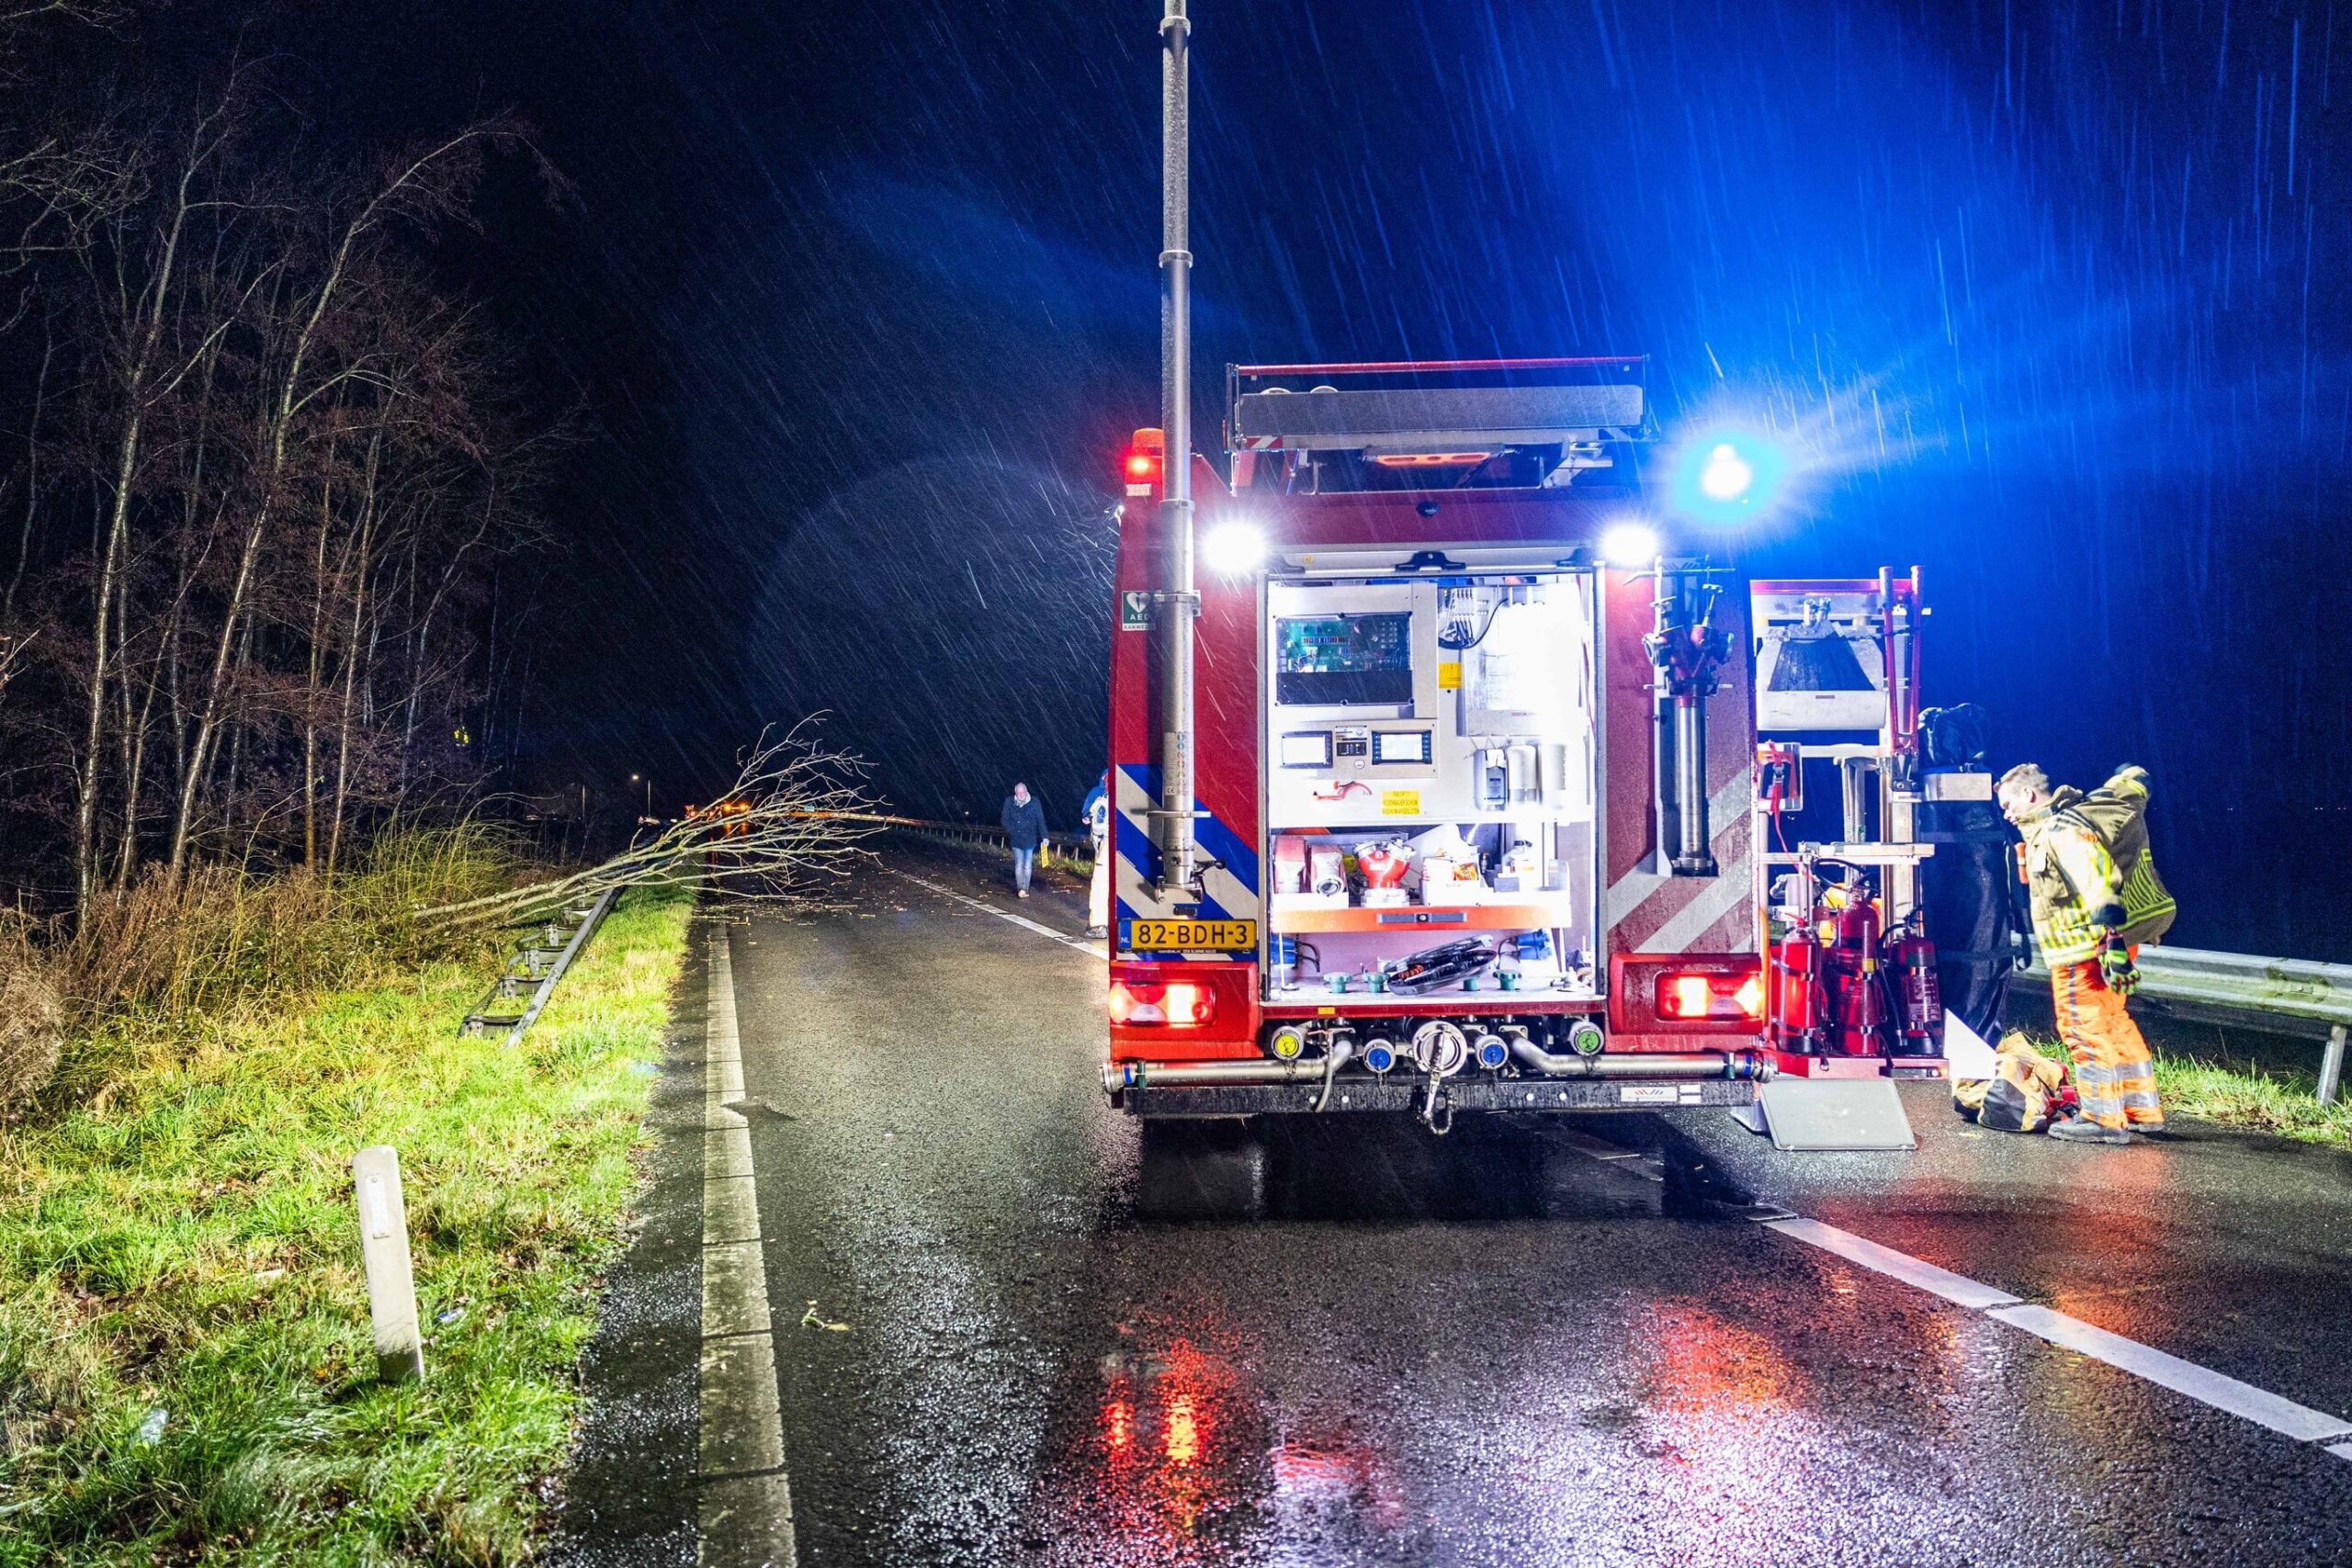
(2096,897)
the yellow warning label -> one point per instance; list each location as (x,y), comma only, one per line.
(1400,803)
(1449,676)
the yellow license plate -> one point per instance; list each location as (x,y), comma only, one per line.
(1193,936)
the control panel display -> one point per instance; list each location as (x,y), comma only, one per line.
(1348,660)
(1409,747)
(1306,748)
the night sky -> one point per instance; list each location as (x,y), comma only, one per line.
(2049,300)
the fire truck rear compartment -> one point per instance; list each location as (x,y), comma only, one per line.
(1430,773)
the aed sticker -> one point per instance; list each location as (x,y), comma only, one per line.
(1645,1094)
(1449,676)
(1400,803)
(1135,610)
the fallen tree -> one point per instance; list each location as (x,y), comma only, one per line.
(792,823)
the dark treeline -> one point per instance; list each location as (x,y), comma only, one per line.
(267,476)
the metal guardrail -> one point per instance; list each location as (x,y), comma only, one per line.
(1077,849)
(538,965)
(2296,998)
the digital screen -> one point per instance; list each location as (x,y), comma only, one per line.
(1307,748)
(1400,745)
(1343,661)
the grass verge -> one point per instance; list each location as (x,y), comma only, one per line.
(186,1367)
(2260,1097)
(2268,1100)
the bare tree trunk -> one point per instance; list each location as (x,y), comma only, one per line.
(311,686)
(350,677)
(32,486)
(235,770)
(287,400)
(360,572)
(85,793)
(413,652)
(143,316)
(208,718)
(133,740)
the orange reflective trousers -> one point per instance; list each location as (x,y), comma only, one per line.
(2114,1078)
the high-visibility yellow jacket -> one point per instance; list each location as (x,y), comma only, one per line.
(2078,894)
(2089,867)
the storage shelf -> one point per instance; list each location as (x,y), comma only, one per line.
(1517,916)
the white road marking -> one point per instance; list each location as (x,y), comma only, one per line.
(1954,1288)
(1092,949)
(2202,1384)
(743,1515)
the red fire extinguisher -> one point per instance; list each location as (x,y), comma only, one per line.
(1923,996)
(1857,984)
(1794,993)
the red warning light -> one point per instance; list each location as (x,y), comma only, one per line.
(1144,461)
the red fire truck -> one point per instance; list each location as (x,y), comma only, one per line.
(1443,788)
(1481,815)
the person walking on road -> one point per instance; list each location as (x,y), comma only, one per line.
(1025,827)
(2096,897)
(1096,814)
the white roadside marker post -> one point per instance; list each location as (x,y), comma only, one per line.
(383,1243)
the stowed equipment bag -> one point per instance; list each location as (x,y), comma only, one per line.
(2117,812)
(2026,1090)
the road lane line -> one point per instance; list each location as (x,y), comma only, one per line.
(743,1512)
(2214,1390)
(2201,1383)
(1955,1287)
(1092,949)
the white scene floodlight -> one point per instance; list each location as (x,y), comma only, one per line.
(1234,549)
(1629,545)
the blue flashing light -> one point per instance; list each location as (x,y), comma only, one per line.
(1728,477)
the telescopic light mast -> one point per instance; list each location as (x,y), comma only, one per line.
(1180,600)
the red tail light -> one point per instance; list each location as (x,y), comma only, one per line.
(1715,998)
(1180,1004)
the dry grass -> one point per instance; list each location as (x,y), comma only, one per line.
(167,967)
(32,1020)
(219,936)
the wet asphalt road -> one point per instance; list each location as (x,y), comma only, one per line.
(1071,1342)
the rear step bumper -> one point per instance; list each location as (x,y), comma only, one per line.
(1407,1093)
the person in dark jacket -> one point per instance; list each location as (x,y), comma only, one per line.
(1024,826)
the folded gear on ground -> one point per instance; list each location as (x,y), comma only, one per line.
(2026,1090)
